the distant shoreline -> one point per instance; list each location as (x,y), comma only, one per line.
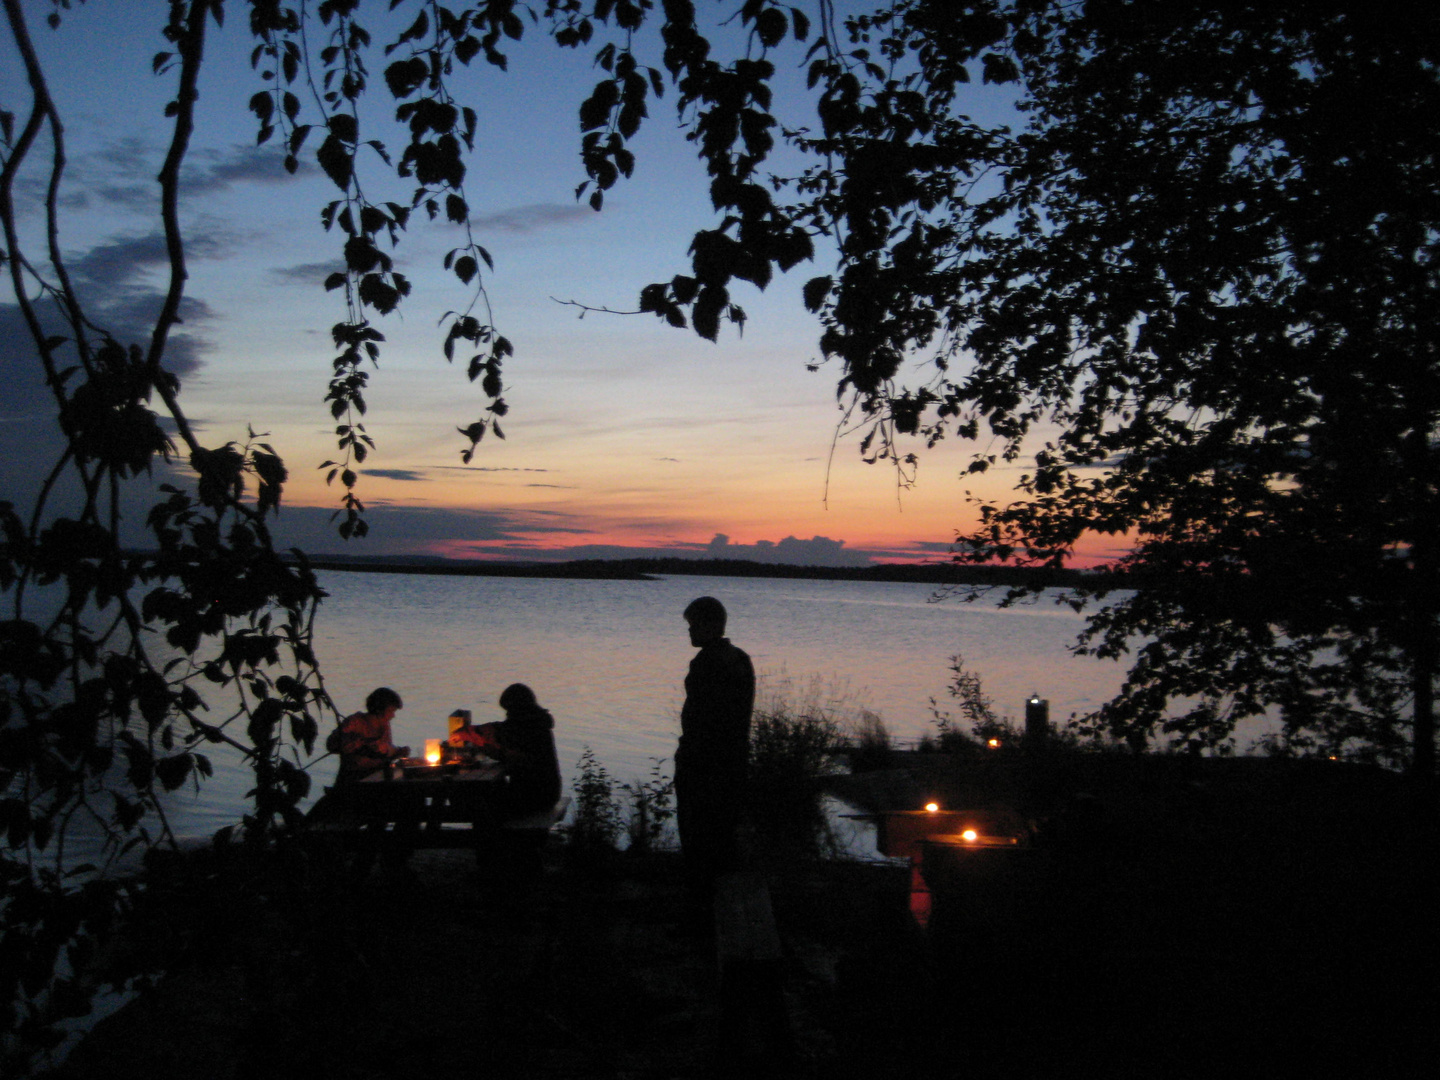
(653,569)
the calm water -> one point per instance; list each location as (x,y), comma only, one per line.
(608,658)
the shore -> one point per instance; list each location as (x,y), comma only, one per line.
(1190,921)
(593,971)
(942,574)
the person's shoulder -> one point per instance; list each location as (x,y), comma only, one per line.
(734,652)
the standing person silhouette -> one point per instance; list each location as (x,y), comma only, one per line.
(711,759)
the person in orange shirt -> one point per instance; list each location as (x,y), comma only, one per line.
(363,740)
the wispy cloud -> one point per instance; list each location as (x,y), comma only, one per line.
(122,174)
(307,273)
(531,218)
(240,164)
(396,474)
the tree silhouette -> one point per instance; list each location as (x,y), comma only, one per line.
(1197,285)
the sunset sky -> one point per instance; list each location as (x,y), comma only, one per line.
(624,436)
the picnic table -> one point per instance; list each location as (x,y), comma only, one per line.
(412,804)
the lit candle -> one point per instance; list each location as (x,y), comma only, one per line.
(432,751)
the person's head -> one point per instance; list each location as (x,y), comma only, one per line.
(706,617)
(517,697)
(382,699)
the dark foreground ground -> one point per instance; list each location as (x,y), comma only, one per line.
(1173,941)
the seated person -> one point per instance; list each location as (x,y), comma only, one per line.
(465,736)
(363,740)
(524,743)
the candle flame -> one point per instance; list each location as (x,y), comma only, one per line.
(432,751)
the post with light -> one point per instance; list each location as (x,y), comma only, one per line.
(1037,723)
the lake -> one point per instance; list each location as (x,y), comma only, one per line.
(608,658)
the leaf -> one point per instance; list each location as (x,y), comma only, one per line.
(343,126)
(815,292)
(771,26)
(336,161)
(705,315)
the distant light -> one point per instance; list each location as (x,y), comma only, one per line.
(994,744)
(970,836)
(932,807)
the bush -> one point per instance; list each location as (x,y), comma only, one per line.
(870,747)
(597,810)
(651,806)
(794,745)
(976,709)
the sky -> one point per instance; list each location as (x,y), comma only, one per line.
(625,437)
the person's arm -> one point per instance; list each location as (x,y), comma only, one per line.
(388,747)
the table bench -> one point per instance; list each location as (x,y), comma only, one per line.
(754,1021)
(423,809)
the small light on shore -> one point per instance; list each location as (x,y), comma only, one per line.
(432,751)
(969,836)
(932,807)
(994,744)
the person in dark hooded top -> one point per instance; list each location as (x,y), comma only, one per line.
(524,743)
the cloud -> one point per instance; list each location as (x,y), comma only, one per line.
(211,171)
(122,174)
(817,551)
(312,273)
(531,218)
(408,530)
(791,551)
(115,284)
(489,468)
(396,474)
(123,259)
